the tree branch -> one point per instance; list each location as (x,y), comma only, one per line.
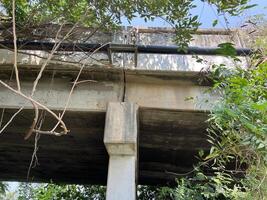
(63,126)
(15,43)
(11,119)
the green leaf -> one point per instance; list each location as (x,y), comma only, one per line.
(261,145)
(214,23)
(262,106)
(226,49)
(250,6)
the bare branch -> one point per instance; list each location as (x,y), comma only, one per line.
(34,156)
(11,119)
(2,117)
(34,122)
(48,59)
(48,132)
(63,126)
(84,81)
(53,51)
(74,84)
(15,43)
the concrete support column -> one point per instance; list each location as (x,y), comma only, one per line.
(120,139)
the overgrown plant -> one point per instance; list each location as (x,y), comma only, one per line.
(238,126)
(236,166)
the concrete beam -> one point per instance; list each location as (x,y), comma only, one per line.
(120,139)
(90,96)
(152,89)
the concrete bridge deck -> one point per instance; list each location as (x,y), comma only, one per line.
(133,118)
(171,129)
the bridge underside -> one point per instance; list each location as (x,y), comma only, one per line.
(171,130)
(168,143)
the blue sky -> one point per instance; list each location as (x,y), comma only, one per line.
(207,14)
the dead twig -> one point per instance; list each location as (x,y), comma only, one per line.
(34,155)
(2,117)
(11,119)
(84,81)
(15,44)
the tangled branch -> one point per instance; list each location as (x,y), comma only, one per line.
(63,126)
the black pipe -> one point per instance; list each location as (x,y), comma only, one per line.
(120,48)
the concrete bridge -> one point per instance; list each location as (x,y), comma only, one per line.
(130,122)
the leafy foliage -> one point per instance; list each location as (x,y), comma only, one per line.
(109,14)
(59,192)
(3,187)
(5,194)
(237,159)
(241,112)
(238,123)
(25,191)
(233,7)
(102,13)
(236,166)
(79,192)
(3,190)
(202,187)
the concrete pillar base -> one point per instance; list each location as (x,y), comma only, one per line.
(121,178)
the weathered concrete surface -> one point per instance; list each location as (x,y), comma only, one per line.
(153,89)
(165,36)
(121,182)
(121,128)
(168,143)
(171,130)
(79,157)
(129,35)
